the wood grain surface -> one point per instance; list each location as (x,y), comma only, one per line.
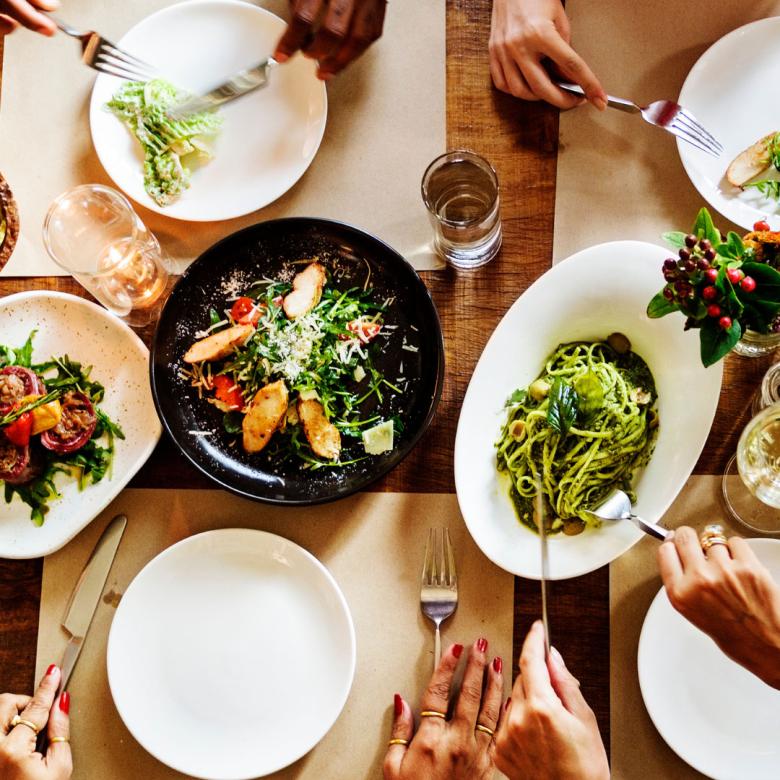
(520,139)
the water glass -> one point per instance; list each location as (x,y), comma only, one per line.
(769,392)
(93,233)
(460,191)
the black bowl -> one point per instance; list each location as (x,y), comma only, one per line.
(266,249)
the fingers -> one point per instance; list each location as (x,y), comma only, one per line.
(740,551)
(575,68)
(37,709)
(688,548)
(669,563)
(566,685)
(7,25)
(304,15)
(58,756)
(333,29)
(516,83)
(11,704)
(542,86)
(403,728)
(470,698)
(535,675)
(491,710)
(26,14)
(366,27)
(437,694)
(719,554)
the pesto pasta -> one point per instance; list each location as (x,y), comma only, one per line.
(583,428)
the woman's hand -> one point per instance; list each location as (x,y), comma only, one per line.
(18,759)
(525,33)
(335,32)
(451,749)
(548,730)
(27,13)
(728,594)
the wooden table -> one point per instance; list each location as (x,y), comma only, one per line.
(521,140)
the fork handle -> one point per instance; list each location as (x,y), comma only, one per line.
(651,529)
(613,102)
(64,26)
(436,648)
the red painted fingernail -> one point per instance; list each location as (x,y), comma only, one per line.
(398,703)
(482,644)
(457,650)
(65,702)
(51,669)
(498,664)
(281,57)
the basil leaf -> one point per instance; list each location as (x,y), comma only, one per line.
(660,307)
(562,409)
(675,238)
(715,342)
(516,398)
(231,421)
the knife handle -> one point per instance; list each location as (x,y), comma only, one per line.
(651,529)
(69,658)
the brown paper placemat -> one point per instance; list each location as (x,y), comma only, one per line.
(386,122)
(373,543)
(619,177)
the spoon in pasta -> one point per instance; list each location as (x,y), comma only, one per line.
(617,506)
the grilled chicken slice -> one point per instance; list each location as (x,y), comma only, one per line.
(267,409)
(323,437)
(218,345)
(750,163)
(306,291)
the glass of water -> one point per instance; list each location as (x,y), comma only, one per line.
(460,191)
(93,233)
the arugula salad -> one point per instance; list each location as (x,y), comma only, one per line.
(171,146)
(291,365)
(50,423)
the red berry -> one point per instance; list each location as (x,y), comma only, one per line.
(725,322)
(709,293)
(762,224)
(748,284)
(735,275)
(668,293)
(713,310)
(711,274)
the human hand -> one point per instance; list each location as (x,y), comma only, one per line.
(548,729)
(335,32)
(27,13)
(18,759)
(451,749)
(729,594)
(523,33)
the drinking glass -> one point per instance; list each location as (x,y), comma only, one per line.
(460,191)
(93,233)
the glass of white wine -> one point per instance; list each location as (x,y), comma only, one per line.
(93,233)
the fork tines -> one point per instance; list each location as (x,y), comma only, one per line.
(685,126)
(104,56)
(439,567)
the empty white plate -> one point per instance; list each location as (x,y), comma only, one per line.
(591,294)
(268,138)
(713,713)
(731,90)
(231,654)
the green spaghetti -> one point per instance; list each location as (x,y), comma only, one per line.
(583,428)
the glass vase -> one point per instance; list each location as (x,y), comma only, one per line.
(753,344)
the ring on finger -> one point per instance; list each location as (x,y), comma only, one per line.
(712,534)
(485,730)
(396,741)
(55,740)
(433,714)
(18,721)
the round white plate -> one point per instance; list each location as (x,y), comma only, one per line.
(268,138)
(713,713)
(593,293)
(731,90)
(72,326)
(231,654)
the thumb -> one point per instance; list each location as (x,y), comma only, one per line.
(58,755)
(566,685)
(403,729)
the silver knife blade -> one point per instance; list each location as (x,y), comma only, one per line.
(240,84)
(545,570)
(86,595)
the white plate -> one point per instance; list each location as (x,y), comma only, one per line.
(713,713)
(731,90)
(268,138)
(71,326)
(591,294)
(231,654)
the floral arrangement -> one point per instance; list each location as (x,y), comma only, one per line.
(723,285)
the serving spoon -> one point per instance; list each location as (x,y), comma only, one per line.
(617,506)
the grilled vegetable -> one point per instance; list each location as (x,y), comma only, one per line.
(323,437)
(76,425)
(266,410)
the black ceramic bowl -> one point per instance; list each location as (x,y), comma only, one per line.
(266,250)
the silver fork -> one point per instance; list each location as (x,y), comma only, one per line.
(102,55)
(439,589)
(665,114)
(617,506)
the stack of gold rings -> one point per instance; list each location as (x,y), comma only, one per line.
(712,535)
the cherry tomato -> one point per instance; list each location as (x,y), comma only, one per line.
(762,224)
(245,311)
(228,392)
(365,331)
(18,432)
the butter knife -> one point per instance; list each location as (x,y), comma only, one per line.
(240,84)
(545,571)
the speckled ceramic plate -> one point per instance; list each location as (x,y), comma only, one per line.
(67,325)
(413,351)
(9,222)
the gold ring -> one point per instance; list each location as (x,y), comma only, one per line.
(433,714)
(55,740)
(17,721)
(485,730)
(711,541)
(398,742)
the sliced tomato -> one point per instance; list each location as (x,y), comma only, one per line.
(228,392)
(761,225)
(364,330)
(245,311)
(19,431)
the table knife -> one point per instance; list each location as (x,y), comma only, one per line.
(545,570)
(240,84)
